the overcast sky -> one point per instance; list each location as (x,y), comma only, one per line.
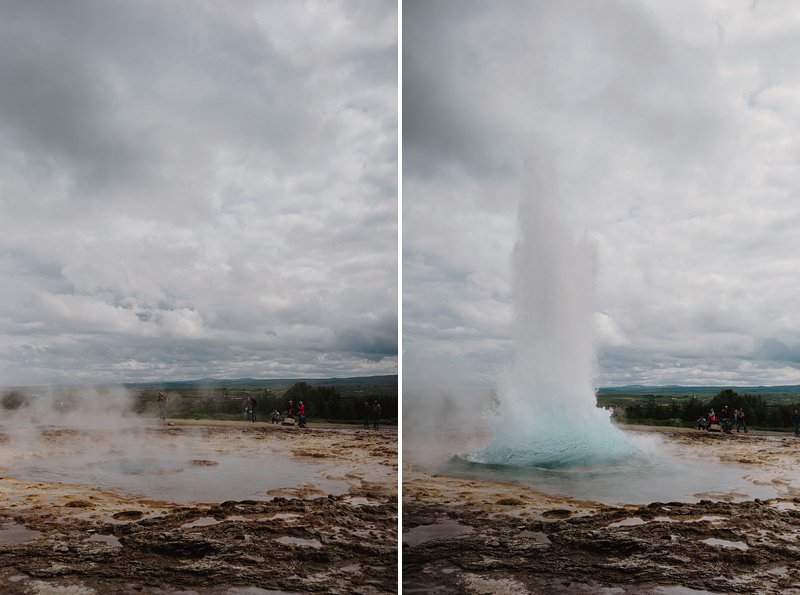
(669,133)
(197,189)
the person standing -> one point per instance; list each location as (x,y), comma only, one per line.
(301,414)
(740,422)
(796,422)
(250,408)
(162,406)
(376,415)
(367,413)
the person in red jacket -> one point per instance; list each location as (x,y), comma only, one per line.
(301,414)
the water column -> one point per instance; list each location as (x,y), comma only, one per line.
(547,416)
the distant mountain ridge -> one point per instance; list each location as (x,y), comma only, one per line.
(675,389)
(384,380)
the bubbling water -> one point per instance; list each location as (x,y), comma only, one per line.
(547,414)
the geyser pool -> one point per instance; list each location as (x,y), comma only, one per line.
(176,464)
(658,472)
(547,415)
(180,479)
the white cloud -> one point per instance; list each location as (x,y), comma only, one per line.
(200,189)
(668,133)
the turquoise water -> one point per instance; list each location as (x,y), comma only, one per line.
(638,479)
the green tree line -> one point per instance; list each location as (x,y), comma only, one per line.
(758,412)
(321,403)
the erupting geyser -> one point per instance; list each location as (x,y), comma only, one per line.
(547,415)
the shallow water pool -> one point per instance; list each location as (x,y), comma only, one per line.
(664,476)
(178,478)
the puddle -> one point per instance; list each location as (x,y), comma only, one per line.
(361,501)
(783,505)
(255,591)
(280,516)
(629,522)
(15,534)
(300,541)
(633,521)
(739,545)
(678,590)
(351,568)
(201,522)
(107,539)
(536,536)
(441,530)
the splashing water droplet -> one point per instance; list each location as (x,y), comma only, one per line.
(547,415)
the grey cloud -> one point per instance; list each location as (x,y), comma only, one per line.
(178,181)
(442,116)
(774,350)
(640,115)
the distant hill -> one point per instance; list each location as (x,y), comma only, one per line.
(700,391)
(387,380)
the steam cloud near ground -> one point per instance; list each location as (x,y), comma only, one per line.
(41,421)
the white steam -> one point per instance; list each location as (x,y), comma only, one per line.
(51,421)
(547,414)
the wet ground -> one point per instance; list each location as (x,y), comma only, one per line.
(198,507)
(491,533)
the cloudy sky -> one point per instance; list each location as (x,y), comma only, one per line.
(197,189)
(668,133)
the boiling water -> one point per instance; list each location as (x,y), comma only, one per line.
(655,477)
(547,417)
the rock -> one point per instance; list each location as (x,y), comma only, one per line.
(128,515)
(78,504)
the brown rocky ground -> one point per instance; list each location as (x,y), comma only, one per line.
(481,536)
(58,537)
